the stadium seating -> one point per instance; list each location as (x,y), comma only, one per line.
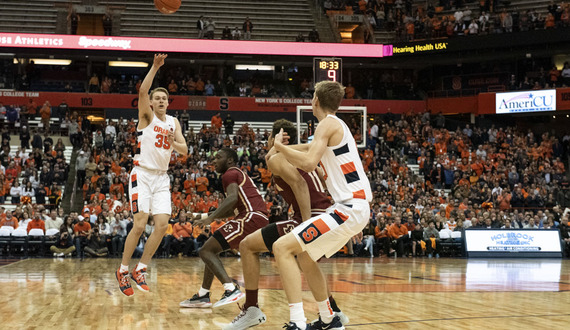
(279,21)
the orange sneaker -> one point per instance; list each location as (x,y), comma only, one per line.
(124,284)
(139,276)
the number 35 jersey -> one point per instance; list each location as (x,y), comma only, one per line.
(153,150)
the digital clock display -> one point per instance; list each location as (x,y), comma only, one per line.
(327,69)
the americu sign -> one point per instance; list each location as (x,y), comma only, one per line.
(528,101)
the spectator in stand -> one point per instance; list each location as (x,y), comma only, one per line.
(94,84)
(172,87)
(209,89)
(226,33)
(314,36)
(398,233)
(107,23)
(566,74)
(216,121)
(53,221)
(45,113)
(8,220)
(73,19)
(300,37)
(106,85)
(82,230)
(25,137)
(36,223)
(229,124)
(201,27)
(247,28)
(431,239)
(210,28)
(473,28)
(182,234)
(236,33)
(200,86)
(349,91)
(15,192)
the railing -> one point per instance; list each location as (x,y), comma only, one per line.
(454,93)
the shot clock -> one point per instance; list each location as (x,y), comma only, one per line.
(327,69)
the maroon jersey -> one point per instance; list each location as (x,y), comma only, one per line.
(319,200)
(249,199)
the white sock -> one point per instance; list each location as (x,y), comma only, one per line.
(229,286)
(325,311)
(140,266)
(124,268)
(297,315)
(202,292)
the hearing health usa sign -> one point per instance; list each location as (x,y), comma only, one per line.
(528,101)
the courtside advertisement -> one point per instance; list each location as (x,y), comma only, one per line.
(528,101)
(512,242)
(166,45)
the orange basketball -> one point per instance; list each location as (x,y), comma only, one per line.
(167,6)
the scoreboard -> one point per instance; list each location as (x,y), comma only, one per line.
(328,68)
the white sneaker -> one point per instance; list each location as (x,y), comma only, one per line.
(230,297)
(247,318)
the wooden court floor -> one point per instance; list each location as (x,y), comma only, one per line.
(375,293)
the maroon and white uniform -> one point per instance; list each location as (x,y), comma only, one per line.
(250,209)
(319,203)
(319,200)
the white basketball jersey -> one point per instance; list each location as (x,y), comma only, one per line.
(153,150)
(343,171)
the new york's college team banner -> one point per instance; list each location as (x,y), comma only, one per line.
(166,45)
(196,103)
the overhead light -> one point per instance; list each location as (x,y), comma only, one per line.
(45,61)
(255,67)
(127,64)
(346,35)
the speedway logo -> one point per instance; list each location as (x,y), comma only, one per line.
(529,101)
(86,42)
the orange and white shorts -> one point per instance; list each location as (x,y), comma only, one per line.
(149,191)
(327,233)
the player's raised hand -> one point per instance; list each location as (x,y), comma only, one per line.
(170,137)
(279,137)
(159,60)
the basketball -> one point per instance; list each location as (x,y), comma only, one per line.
(167,6)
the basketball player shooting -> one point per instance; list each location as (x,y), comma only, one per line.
(305,193)
(334,148)
(149,185)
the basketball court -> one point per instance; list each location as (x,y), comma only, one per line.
(379,293)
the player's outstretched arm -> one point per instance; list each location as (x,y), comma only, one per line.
(145,113)
(279,166)
(307,161)
(226,209)
(178,141)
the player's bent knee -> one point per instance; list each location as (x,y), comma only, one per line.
(160,229)
(138,229)
(205,253)
(244,245)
